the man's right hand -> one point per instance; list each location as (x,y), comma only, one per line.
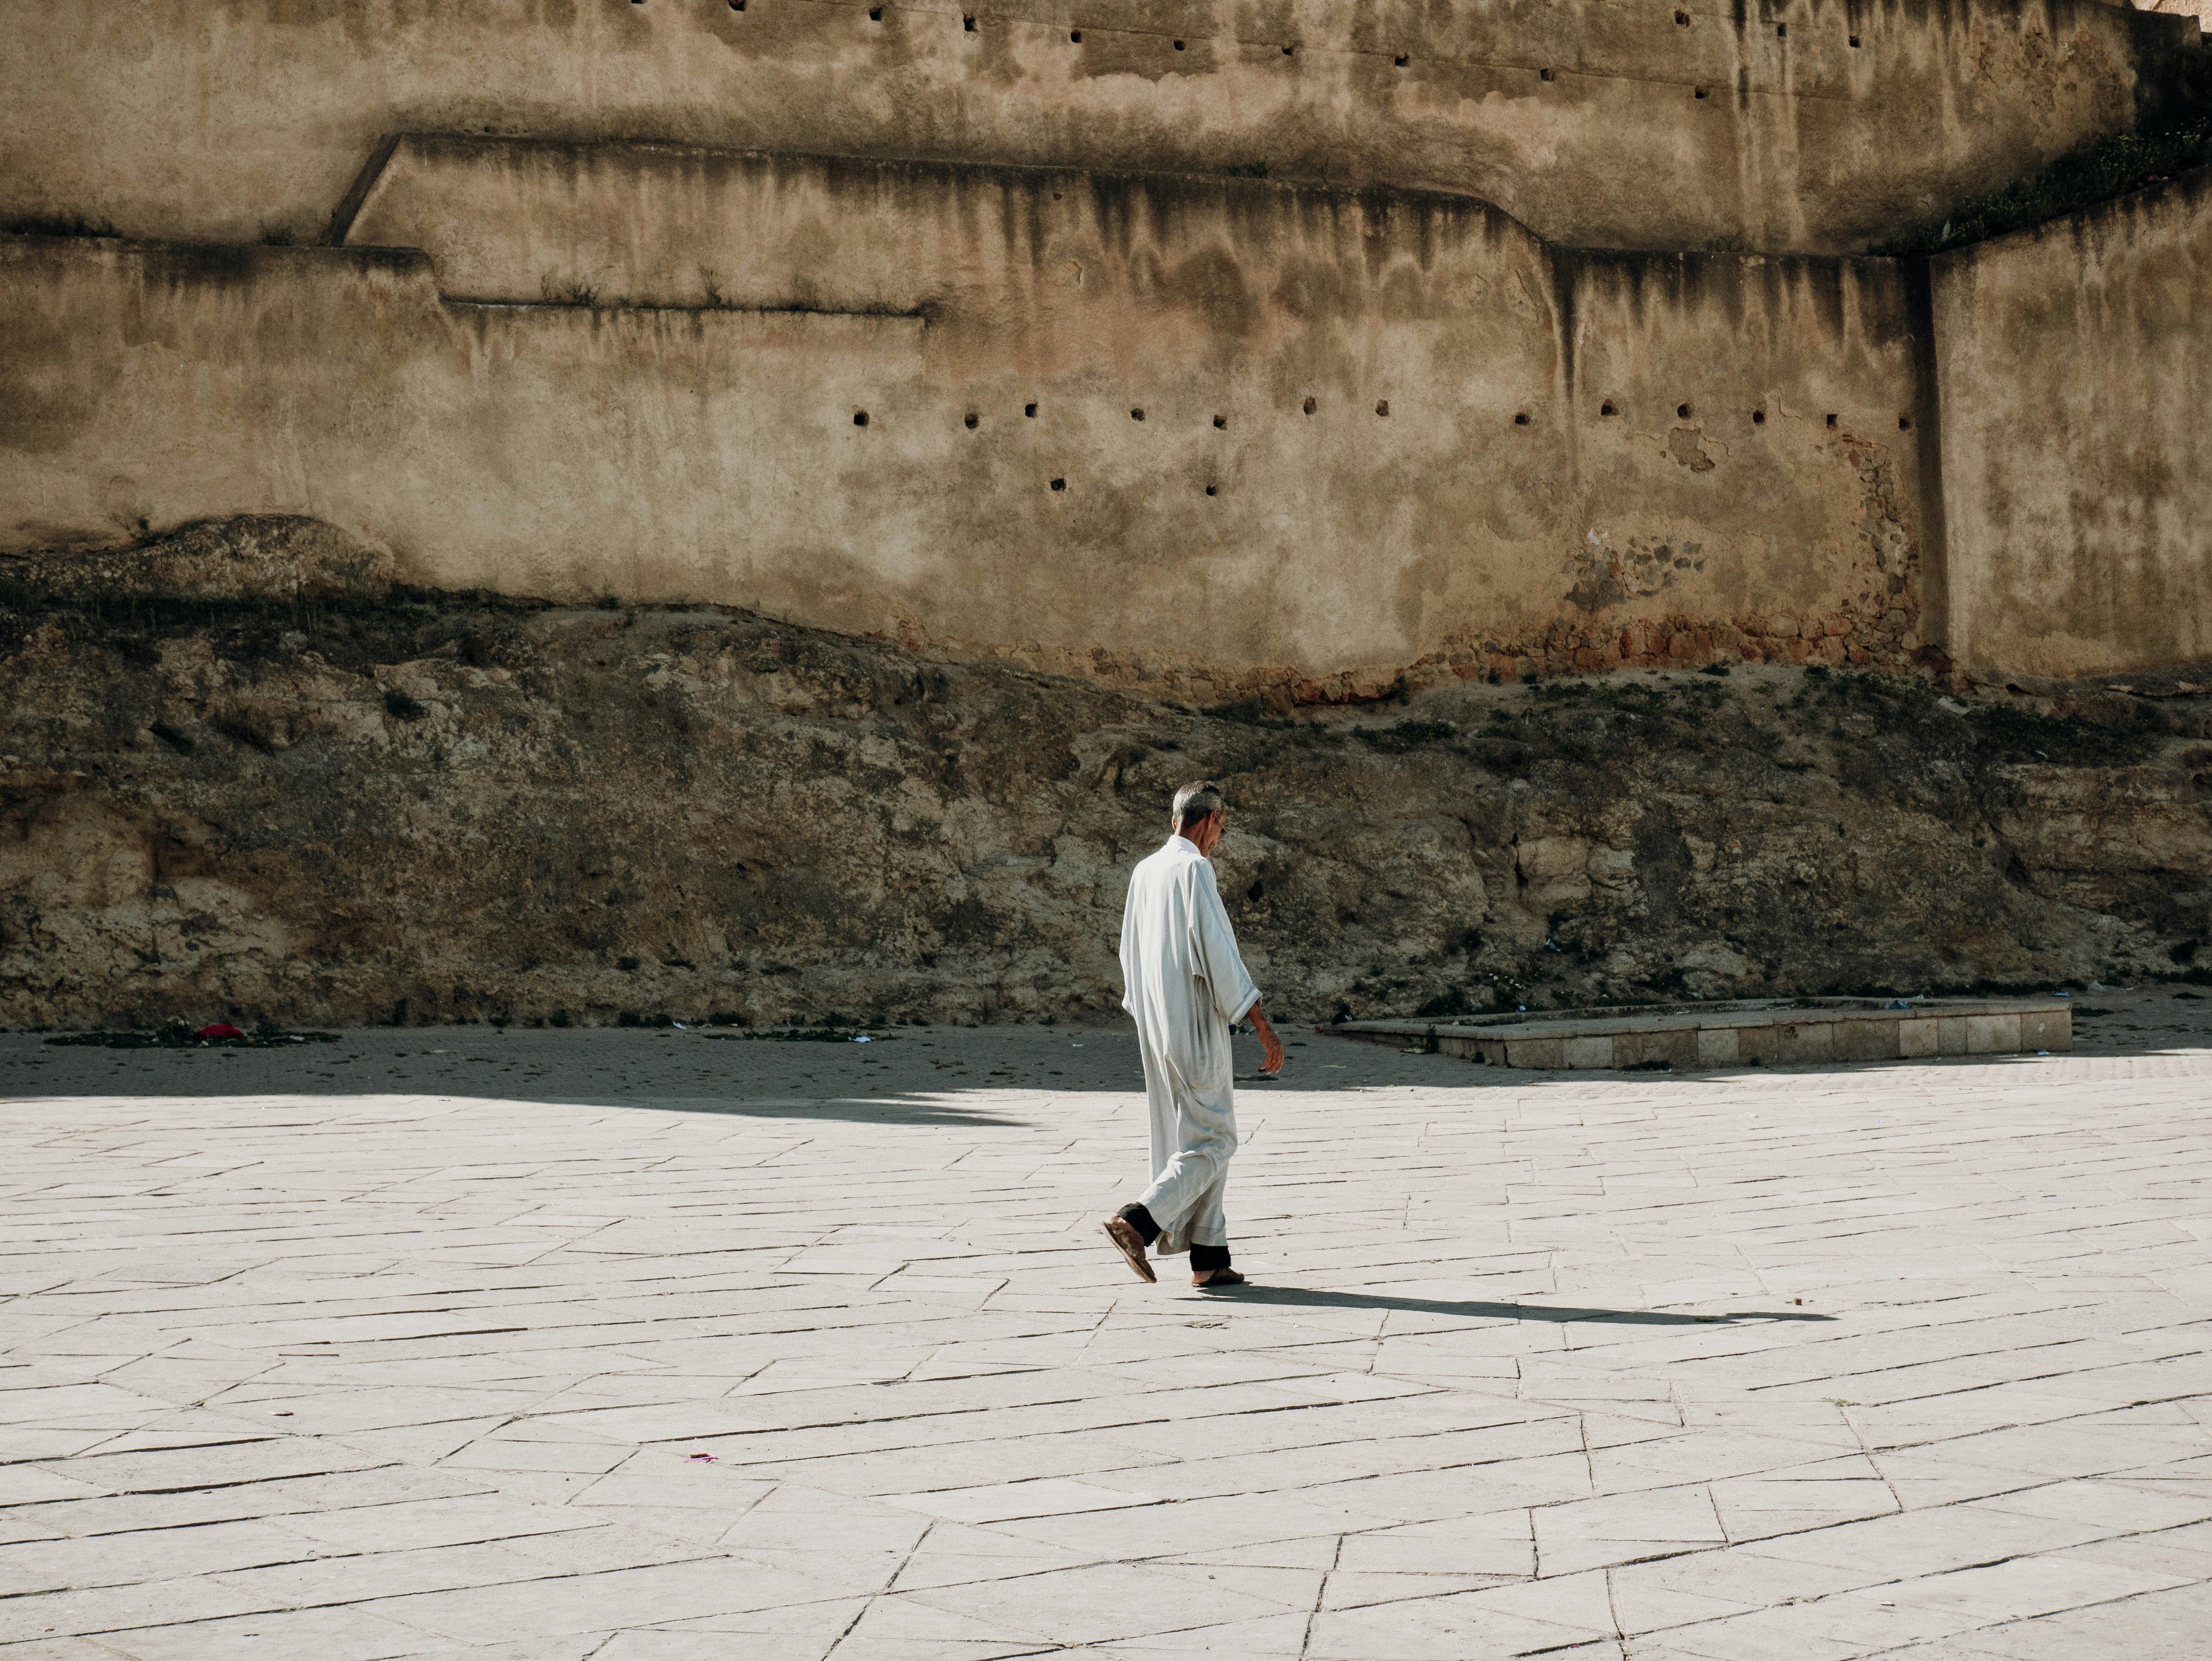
(1271,1047)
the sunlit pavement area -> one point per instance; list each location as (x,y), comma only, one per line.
(644,1346)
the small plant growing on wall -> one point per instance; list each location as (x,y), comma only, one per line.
(557,290)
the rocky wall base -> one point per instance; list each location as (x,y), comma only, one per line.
(346,807)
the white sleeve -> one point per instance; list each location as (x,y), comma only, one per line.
(1129,966)
(1213,949)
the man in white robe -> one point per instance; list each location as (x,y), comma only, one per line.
(1185,983)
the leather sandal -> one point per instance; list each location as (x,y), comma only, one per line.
(1218,1277)
(1131,1244)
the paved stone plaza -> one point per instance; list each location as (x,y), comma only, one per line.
(644,1347)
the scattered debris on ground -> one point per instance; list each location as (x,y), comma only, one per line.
(182,1035)
(805,1035)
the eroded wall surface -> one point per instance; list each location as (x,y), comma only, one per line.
(2074,363)
(1777,126)
(2195,8)
(1249,435)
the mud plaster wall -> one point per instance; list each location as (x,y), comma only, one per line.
(1779,125)
(2075,361)
(1282,437)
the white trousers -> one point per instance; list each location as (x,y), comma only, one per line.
(1192,1142)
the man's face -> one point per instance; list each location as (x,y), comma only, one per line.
(1205,832)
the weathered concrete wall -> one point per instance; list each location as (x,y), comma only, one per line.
(1376,430)
(2074,364)
(1811,125)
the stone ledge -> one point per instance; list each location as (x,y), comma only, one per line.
(1779,1031)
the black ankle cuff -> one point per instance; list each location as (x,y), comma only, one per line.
(1141,1220)
(1204,1258)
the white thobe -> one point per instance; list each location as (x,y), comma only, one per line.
(1183,981)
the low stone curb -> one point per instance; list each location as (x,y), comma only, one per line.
(1778,1032)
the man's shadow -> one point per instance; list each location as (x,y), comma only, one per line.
(1301,1297)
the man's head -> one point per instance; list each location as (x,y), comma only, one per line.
(1200,814)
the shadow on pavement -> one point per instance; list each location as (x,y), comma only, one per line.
(1298,1297)
(882,1110)
(907,1109)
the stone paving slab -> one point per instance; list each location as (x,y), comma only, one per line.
(554,1346)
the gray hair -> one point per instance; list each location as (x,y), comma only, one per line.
(1196,801)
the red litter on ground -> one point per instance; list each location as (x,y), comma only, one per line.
(701,1460)
(219,1030)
